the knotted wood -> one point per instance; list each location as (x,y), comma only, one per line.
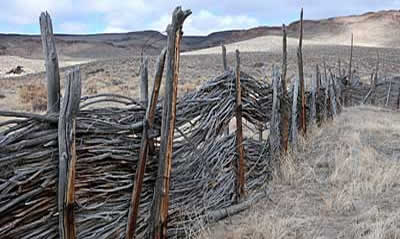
(67,154)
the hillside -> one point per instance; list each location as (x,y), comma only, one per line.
(343,183)
(379,29)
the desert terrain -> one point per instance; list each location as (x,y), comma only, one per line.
(342,182)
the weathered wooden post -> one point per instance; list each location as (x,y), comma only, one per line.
(284,58)
(332,96)
(295,91)
(303,119)
(284,98)
(224,61)
(145,147)
(144,79)
(67,154)
(351,60)
(313,102)
(225,64)
(241,180)
(52,69)
(159,213)
(275,134)
(326,99)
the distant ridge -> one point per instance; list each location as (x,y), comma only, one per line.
(380,29)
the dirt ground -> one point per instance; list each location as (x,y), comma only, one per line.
(342,183)
(121,75)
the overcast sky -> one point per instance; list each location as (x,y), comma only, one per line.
(98,16)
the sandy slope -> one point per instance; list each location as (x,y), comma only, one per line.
(343,183)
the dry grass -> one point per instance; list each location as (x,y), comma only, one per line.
(34,96)
(343,182)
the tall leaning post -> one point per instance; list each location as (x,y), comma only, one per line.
(241,180)
(52,69)
(303,119)
(67,154)
(159,213)
(146,147)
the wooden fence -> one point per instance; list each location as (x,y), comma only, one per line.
(143,168)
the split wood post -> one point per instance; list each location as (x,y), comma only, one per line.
(303,123)
(52,69)
(144,82)
(332,96)
(145,147)
(284,58)
(225,64)
(314,99)
(67,154)
(159,213)
(351,61)
(284,99)
(224,61)
(295,91)
(241,180)
(340,68)
(275,135)
(326,99)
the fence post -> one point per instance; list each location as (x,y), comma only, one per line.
(241,180)
(145,147)
(52,69)
(159,214)
(67,154)
(284,58)
(303,120)
(332,96)
(314,100)
(294,112)
(144,79)
(224,62)
(275,135)
(351,60)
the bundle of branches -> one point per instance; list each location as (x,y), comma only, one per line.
(108,136)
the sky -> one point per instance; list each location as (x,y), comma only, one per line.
(106,16)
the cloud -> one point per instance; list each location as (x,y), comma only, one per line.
(208,15)
(205,22)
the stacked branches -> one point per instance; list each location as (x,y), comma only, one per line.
(108,137)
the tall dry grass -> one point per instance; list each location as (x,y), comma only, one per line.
(341,182)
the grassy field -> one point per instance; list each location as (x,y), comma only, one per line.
(342,183)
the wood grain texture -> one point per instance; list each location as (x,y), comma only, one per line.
(67,154)
(51,58)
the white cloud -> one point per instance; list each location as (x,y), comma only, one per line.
(206,22)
